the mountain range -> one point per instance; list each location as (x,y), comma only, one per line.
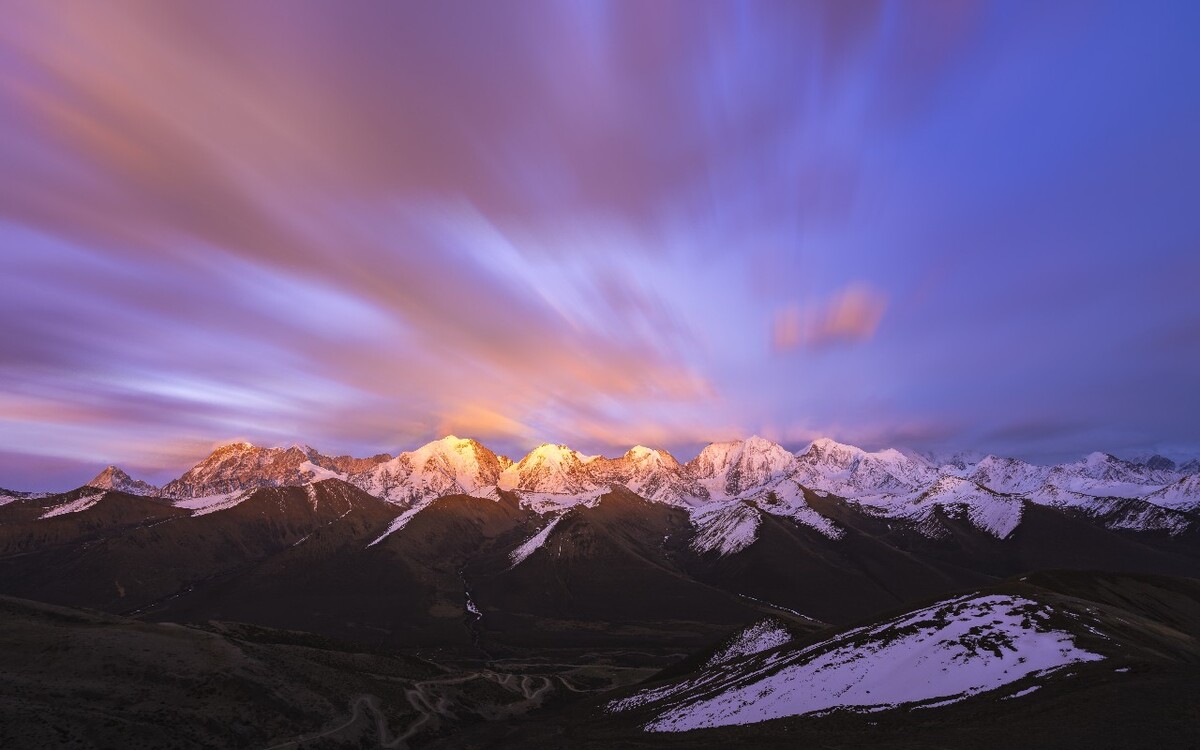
(553,477)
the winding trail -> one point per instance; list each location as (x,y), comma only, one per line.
(431,706)
(356,710)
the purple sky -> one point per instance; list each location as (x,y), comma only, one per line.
(940,225)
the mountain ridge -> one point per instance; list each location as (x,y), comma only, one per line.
(1151,494)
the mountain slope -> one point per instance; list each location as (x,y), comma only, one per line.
(404,591)
(1078,660)
(135,565)
(608,574)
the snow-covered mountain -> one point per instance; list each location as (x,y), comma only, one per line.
(848,471)
(727,488)
(551,468)
(989,511)
(1008,474)
(653,474)
(448,466)
(243,466)
(1116,513)
(728,469)
(1104,474)
(114,478)
(1182,495)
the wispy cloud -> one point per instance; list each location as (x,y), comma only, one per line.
(359,225)
(850,315)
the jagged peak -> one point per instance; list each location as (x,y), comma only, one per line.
(825,446)
(455,442)
(754,443)
(109,474)
(758,440)
(642,454)
(113,477)
(449,444)
(554,452)
(992,459)
(239,446)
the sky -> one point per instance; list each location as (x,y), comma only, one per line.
(940,225)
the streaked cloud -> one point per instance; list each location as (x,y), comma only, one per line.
(360,226)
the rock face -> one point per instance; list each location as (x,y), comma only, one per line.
(1159,463)
(113,478)
(242,466)
(729,469)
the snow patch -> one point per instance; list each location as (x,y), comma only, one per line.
(761,636)
(533,543)
(202,506)
(558,502)
(725,528)
(1021,693)
(81,503)
(399,522)
(318,473)
(996,514)
(786,498)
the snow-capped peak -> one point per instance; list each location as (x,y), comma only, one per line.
(733,467)
(641,454)
(850,471)
(1008,474)
(114,478)
(550,467)
(440,467)
(1101,473)
(243,466)
(831,453)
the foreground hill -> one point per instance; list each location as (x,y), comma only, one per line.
(1057,660)
(123,553)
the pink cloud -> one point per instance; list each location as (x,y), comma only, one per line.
(852,314)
